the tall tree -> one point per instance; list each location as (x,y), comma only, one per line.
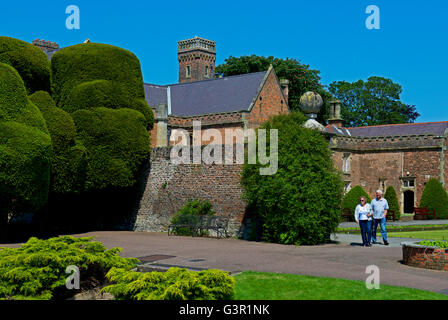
(301,77)
(372,102)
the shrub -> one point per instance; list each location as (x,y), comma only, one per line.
(300,203)
(29,61)
(351,198)
(391,196)
(190,213)
(36,270)
(435,197)
(98,75)
(69,158)
(117,144)
(25,147)
(174,284)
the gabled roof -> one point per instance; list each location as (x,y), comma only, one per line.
(229,94)
(402,129)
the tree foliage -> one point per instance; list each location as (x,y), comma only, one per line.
(435,197)
(391,196)
(29,61)
(372,102)
(301,77)
(351,198)
(300,203)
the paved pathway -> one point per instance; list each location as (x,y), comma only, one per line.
(339,260)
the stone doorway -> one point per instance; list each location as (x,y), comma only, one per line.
(408,201)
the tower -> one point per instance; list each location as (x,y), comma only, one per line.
(196,59)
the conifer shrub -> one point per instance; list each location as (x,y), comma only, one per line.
(117,143)
(25,147)
(300,203)
(435,197)
(37,270)
(190,214)
(29,61)
(174,284)
(391,196)
(69,155)
(351,198)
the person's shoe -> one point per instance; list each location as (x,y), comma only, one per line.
(386,243)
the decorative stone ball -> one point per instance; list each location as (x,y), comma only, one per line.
(311,102)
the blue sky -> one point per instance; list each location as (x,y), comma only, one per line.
(411,47)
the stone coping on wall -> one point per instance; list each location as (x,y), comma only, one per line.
(427,257)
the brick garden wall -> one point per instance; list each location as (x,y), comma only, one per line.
(424,257)
(170,186)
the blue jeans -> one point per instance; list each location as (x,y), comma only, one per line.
(382,223)
(365,231)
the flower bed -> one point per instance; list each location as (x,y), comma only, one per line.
(425,256)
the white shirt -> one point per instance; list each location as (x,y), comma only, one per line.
(361,212)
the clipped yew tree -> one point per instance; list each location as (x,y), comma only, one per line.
(25,148)
(435,197)
(29,61)
(391,196)
(351,198)
(300,203)
(101,87)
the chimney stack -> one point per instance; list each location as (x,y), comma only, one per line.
(46,46)
(335,114)
(284,83)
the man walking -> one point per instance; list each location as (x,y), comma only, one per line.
(379,209)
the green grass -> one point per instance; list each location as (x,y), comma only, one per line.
(276,286)
(431,235)
(356,230)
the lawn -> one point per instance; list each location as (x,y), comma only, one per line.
(276,286)
(430,235)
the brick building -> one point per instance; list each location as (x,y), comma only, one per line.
(404,156)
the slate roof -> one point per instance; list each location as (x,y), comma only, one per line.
(404,129)
(229,94)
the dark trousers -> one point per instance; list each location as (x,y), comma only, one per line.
(366,233)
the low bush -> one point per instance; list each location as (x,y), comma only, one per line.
(174,284)
(435,197)
(37,270)
(440,244)
(190,213)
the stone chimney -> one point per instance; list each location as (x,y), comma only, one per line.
(284,83)
(46,46)
(335,114)
(162,125)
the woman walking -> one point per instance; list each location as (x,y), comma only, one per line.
(363,216)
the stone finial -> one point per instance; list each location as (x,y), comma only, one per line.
(310,103)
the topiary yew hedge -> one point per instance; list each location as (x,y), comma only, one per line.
(25,147)
(391,196)
(435,197)
(300,203)
(351,198)
(29,61)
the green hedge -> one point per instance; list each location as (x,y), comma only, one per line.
(391,196)
(36,270)
(30,61)
(25,147)
(174,284)
(117,143)
(300,203)
(69,160)
(351,198)
(435,197)
(98,75)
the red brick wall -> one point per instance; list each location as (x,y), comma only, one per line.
(269,103)
(197,60)
(428,258)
